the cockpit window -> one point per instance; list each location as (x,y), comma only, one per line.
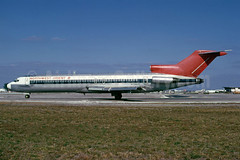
(16,80)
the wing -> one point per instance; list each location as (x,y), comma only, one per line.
(114,89)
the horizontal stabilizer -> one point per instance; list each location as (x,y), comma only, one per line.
(217,53)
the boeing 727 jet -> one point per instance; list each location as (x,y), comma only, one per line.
(162,77)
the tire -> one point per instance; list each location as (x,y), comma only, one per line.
(27,96)
(118,97)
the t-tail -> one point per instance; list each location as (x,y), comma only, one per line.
(192,66)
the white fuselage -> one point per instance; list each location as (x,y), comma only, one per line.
(131,83)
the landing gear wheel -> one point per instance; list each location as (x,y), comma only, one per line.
(118,97)
(27,96)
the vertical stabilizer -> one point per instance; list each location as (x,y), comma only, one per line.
(192,66)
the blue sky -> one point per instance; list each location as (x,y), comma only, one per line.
(109,36)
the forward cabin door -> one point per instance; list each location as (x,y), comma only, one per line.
(27,81)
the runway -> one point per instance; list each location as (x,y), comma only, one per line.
(149,99)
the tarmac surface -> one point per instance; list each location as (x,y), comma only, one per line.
(148,99)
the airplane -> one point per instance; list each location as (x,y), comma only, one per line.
(162,77)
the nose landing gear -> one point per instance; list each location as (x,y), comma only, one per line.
(27,96)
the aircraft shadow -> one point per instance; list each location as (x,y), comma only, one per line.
(177,96)
(123,99)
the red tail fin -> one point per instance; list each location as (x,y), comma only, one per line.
(191,66)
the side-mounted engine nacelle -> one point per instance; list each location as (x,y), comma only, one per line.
(163,80)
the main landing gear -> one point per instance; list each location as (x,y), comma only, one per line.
(117,95)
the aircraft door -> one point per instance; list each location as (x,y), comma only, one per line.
(145,80)
(27,81)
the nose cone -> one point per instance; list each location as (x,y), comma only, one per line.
(5,86)
(9,86)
